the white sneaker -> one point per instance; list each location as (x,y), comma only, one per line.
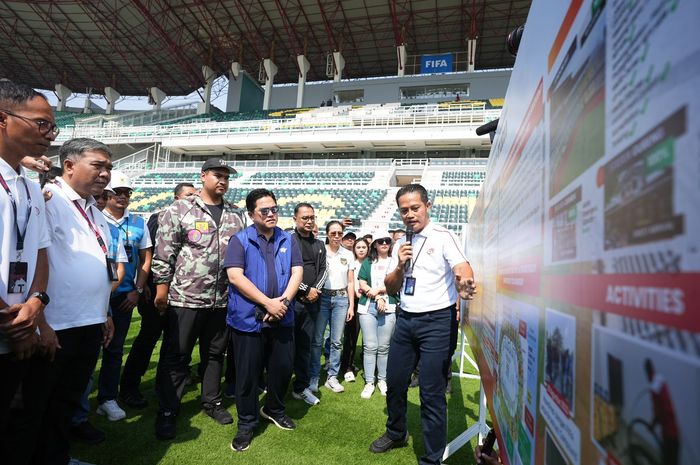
(112,410)
(382,387)
(367,391)
(307,396)
(333,384)
(313,385)
(349,377)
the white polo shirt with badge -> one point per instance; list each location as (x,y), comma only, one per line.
(79,285)
(338,265)
(435,252)
(36,235)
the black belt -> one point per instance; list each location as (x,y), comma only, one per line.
(334,292)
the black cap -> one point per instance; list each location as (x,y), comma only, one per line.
(350,234)
(216,163)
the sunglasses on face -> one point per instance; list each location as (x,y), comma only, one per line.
(384,241)
(306,219)
(124,192)
(335,233)
(267,210)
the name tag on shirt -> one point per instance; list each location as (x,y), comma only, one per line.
(410,286)
(17,283)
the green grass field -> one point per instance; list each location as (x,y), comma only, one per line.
(337,431)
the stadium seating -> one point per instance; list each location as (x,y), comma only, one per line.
(450,208)
(310,177)
(463,178)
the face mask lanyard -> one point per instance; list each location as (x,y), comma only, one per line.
(19,247)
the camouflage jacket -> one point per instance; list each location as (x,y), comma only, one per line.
(190,250)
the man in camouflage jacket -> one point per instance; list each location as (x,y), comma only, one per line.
(191,290)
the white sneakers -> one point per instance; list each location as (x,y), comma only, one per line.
(313,385)
(334,385)
(367,391)
(382,387)
(307,396)
(349,377)
(111,409)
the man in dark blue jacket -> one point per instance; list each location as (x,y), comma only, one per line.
(265,268)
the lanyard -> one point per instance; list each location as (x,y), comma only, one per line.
(19,246)
(126,221)
(414,260)
(92,227)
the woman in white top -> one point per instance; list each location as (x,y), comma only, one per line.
(377,314)
(352,328)
(337,302)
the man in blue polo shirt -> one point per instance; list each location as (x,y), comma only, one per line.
(265,268)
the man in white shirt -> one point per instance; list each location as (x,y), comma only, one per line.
(26,128)
(430,272)
(83,263)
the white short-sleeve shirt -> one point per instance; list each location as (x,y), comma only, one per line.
(36,236)
(436,252)
(79,286)
(338,266)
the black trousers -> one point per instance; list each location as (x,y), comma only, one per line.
(249,350)
(152,325)
(51,391)
(12,371)
(184,326)
(424,335)
(113,354)
(352,331)
(305,315)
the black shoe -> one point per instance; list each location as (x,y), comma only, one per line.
(165,425)
(242,440)
(282,421)
(385,443)
(218,413)
(87,433)
(133,399)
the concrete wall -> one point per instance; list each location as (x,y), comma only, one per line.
(482,85)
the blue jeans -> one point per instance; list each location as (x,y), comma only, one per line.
(333,310)
(377,329)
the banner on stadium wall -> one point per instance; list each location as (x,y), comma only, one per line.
(430,64)
(586,240)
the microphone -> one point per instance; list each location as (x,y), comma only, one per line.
(491,126)
(409,240)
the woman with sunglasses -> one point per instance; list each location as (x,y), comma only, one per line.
(377,313)
(352,328)
(337,302)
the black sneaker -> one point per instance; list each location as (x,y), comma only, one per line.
(85,432)
(242,440)
(133,399)
(281,421)
(218,413)
(385,443)
(165,425)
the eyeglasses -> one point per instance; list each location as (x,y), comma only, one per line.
(335,233)
(306,219)
(44,126)
(267,210)
(383,241)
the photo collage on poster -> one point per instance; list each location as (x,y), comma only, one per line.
(586,240)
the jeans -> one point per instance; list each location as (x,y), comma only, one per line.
(112,355)
(334,309)
(377,329)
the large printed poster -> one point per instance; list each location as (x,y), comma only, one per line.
(586,239)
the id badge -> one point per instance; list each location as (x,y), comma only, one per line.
(410,286)
(112,270)
(129,249)
(16,283)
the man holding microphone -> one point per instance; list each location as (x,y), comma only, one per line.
(430,272)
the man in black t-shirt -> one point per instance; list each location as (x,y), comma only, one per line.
(313,253)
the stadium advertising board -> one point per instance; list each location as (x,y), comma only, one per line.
(586,239)
(431,64)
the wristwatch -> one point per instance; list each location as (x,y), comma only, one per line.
(286,302)
(42,296)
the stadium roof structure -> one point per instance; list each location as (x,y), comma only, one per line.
(133,45)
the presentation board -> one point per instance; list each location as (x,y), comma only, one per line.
(585,239)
